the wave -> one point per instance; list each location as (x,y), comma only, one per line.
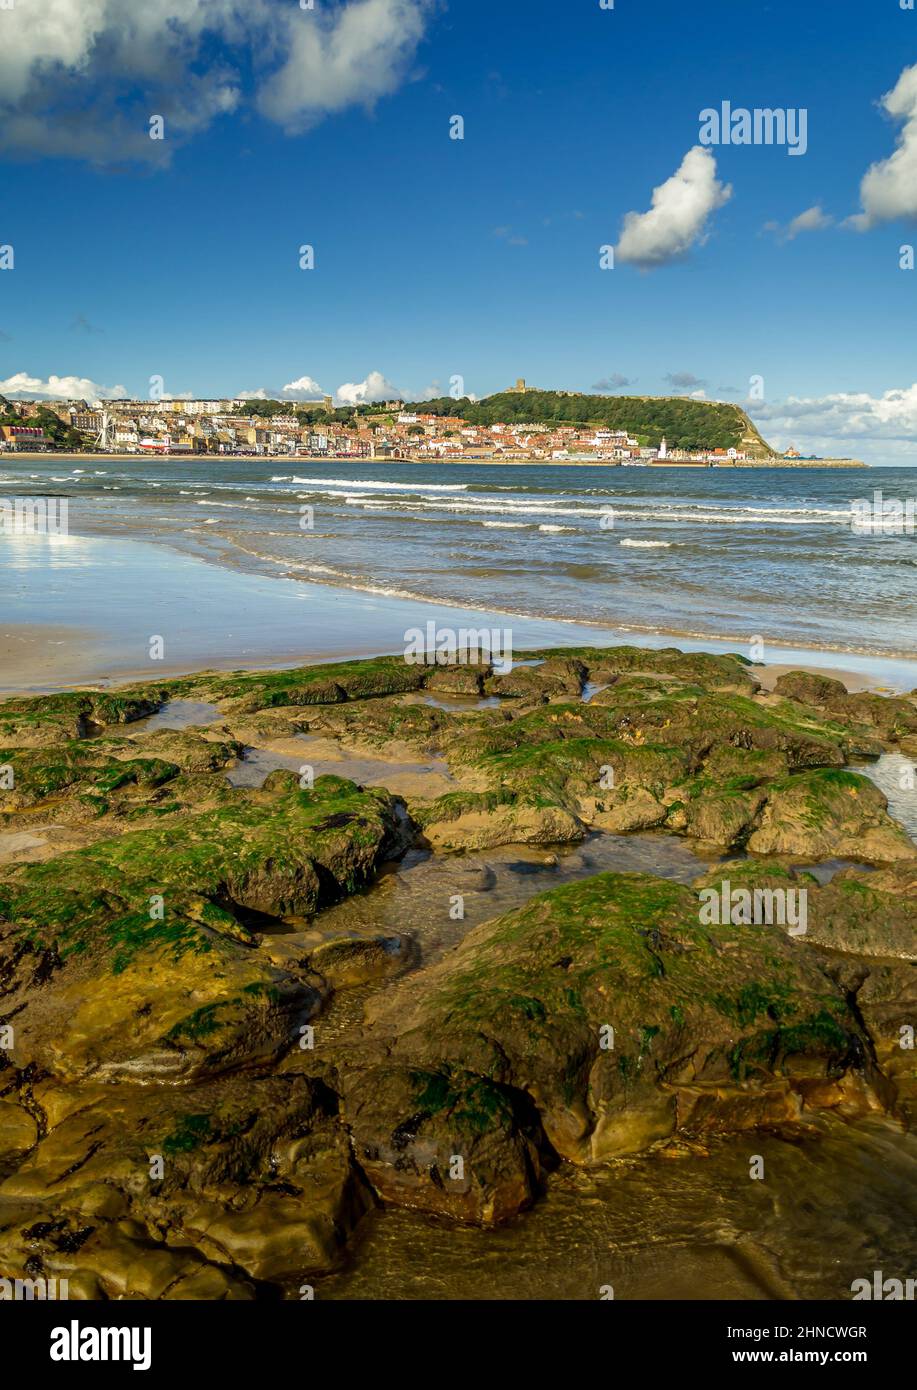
(648,545)
(364,485)
(470,505)
(364,584)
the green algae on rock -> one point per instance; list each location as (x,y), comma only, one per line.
(157,983)
(709,1028)
(139,956)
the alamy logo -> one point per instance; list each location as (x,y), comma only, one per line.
(762,126)
(75,1343)
(724,905)
(883,516)
(465,646)
(27,1290)
(33,516)
(884,1290)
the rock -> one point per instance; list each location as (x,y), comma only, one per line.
(831,813)
(457,680)
(549,680)
(473,878)
(501,1052)
(886,995)
(41,721)
(18,1130)
(628,808)
(727,673)
(723,819)
(331,683)
(135,959)
(385,723)
(159,970)
(470,822)
(345,963)
(871,914)
(85,777)
(444,1141)
(895,717)
(745,767)
(808,688)
(183,747)
(243,1174)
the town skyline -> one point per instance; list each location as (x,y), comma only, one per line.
(555,429)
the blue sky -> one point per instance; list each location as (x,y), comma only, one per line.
(479,257)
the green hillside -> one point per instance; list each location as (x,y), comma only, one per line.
(686,424)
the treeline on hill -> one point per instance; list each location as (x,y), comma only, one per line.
(686,424)
(312,414)
(60,435)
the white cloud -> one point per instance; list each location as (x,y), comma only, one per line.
(844,423)
(21,386)
(678,217)
(349,56)
(814,219)
(374,388)
(889,187)
(81,78)
(306,388)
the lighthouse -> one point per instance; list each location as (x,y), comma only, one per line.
(663,449)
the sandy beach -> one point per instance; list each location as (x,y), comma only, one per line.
(44,658)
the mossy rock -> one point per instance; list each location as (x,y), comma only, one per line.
(379,723)
(829,813)
(153,1186)
(712,1027)
(550,679)
(868,914)
(894,717)
(730,673)
(145,946)
(329,683)
(457,680)
(39,721)
(718,817)
(79,782)
(483,820)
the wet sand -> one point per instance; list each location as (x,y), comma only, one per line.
(39,658)
(122,593)
(44,655)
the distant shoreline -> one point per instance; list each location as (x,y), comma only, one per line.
(432,462)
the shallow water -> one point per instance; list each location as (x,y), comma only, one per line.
(895,774)
(418,895)
(366,771)
(831,1208)
(176,714)
(713,555)
(837,1201)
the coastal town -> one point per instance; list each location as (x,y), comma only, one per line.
(395,430)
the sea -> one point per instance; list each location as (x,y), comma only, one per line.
(763,561)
